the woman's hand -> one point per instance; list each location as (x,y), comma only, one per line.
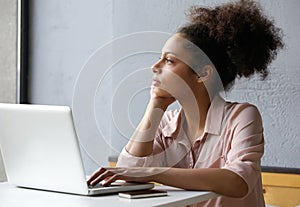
(160,98)
(133,174)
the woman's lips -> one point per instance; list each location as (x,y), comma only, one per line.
(155,82)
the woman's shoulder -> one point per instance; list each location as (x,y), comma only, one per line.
(241,106)
(242,112)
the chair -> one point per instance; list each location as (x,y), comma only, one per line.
(281,186)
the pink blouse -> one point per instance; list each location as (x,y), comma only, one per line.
(232,139)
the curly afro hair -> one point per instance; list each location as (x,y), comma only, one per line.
(237,37)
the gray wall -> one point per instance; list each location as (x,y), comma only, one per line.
(66,33)
(8,57)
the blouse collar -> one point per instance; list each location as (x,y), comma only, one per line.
(213,124)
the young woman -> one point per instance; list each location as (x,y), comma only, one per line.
(209,144)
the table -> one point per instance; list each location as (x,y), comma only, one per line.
(11,196)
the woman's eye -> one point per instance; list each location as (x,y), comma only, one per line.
(168,60)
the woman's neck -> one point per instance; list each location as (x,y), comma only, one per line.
(195,114)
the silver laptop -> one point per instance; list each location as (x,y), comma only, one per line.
(40,150)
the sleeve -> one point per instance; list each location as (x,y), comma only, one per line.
(247,145)
(156,159)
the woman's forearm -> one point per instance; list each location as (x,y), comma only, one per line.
(141,142)
(218,180)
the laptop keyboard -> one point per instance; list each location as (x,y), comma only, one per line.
(99,185)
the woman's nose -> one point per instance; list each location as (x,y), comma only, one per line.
(156,67)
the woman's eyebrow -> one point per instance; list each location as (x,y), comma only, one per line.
(170,53)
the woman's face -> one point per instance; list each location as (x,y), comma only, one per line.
(172,74)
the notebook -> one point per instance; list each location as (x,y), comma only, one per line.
(40,150)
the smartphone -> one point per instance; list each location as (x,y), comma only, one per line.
(143,193)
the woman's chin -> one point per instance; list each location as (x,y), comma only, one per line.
(160,92)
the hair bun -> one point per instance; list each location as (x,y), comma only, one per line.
(250,39)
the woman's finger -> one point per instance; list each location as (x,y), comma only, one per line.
(111,179)
(101,177)
(95,175)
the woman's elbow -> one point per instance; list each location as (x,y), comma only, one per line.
(240,188)
(232,185)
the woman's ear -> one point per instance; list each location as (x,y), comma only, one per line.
(206,73)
